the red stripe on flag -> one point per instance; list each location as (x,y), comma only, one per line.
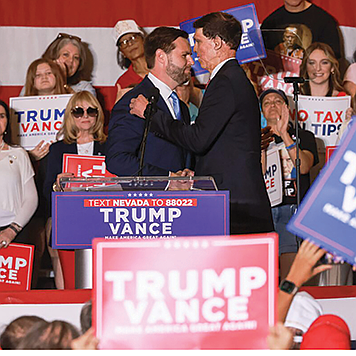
(91,13)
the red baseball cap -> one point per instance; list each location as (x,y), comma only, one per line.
(327,332)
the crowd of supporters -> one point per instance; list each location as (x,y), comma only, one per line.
(26,219)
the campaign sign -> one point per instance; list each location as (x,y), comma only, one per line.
(251,47)
(189,293)
(36,118)
(329,151)
(327,215)
(85,166)
(16,267)
(323,116)
(273,176)
(271,71)
(78,217)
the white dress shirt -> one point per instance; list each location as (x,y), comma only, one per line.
(217,68)
(165,92)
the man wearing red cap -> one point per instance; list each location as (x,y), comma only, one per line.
(328,332)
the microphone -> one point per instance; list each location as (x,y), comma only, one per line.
(151,107)
(150,110)
(291,80)
(154,94)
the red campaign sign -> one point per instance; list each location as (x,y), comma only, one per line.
(16,267)
(188,293)
(85,166)
(329,151)
(269,72)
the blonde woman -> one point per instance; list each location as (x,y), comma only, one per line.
(83,133)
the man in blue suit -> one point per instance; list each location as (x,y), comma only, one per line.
(225,138)
(168,56)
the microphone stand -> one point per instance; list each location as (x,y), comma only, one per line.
(150,110)
(296,90)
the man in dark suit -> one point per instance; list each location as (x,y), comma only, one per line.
(168,56)
(226,133)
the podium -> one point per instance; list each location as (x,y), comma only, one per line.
(124,208)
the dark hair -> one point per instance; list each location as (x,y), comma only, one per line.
(7,134)
(85,317)
(334,78)
(223,25)
(52,52)
(17,330)
(281,93)
(56,335)
(161,38)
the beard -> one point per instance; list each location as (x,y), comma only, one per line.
(178,74)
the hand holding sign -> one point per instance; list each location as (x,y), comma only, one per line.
(87,341)
(6,236)
(280,337)
(41,150)
(303,268)
(62,175)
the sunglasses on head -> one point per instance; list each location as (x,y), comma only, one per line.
(78,112)
(66,35)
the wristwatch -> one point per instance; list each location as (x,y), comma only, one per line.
(288,287)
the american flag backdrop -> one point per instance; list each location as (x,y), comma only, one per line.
(27,27)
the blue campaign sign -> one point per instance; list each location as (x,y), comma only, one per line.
(327,215)
(251,47)
(79,217)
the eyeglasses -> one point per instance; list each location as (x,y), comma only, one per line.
(277,102)
(126,42)
(78,112)
(66,35)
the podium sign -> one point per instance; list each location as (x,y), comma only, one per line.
(78,217)
(187,293)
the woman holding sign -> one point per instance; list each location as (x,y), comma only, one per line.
(44,77)
(83,133)
(19,198)
(321,69)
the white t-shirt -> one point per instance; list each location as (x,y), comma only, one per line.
(15,171)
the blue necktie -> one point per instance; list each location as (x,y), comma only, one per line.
(176,107)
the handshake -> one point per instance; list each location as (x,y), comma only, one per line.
(185,184)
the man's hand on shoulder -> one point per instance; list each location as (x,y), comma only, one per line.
(138,106)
